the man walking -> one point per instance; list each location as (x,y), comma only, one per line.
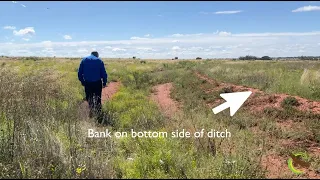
(93,76)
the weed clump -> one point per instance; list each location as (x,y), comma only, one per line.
(226,90)
(289,102)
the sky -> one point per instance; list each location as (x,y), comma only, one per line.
(190,29)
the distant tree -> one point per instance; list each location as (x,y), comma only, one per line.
(176,58)
(33,58)
(248,57)
(266,58)
(198,58)
(133,57)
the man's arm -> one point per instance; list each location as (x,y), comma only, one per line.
(80,73)
(103,74)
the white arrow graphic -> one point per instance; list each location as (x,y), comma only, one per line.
(234,101)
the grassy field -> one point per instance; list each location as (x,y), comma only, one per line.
(44,129)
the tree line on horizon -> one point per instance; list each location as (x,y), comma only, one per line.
(249,57)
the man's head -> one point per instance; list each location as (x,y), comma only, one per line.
(95,53)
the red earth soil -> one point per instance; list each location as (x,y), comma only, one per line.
(275,165)
(161,95)
(259,100)
(109,91)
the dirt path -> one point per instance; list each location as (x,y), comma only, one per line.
(109,91)
(162,97)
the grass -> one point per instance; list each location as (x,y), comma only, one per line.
(43,128)
(295,78)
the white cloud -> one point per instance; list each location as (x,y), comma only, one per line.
(137,38)
(215,47)
(46,42)
(82,51)
(118,49)
(194,48)
(23,5)
(307,8)
(9,27)
(48,50)
(159,15)
(208,45)
(223,33)
(147,35)
(20,52)
(26,31)
(228,12)
(175,48)
(225,52)
(277,34)
(67,37)
(177,35)
(146,49)
(14,2)
(26,39)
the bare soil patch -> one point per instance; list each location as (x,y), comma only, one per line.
(275,165)
(109,91)
(162,97)
(259,100)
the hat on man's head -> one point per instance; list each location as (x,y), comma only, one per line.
(95,53)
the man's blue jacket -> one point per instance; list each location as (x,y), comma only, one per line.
(91,70)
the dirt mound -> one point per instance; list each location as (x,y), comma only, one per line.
(161,95)
(259,100)
(275,165)
(109,91)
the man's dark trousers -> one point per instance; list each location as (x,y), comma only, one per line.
(93,90)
